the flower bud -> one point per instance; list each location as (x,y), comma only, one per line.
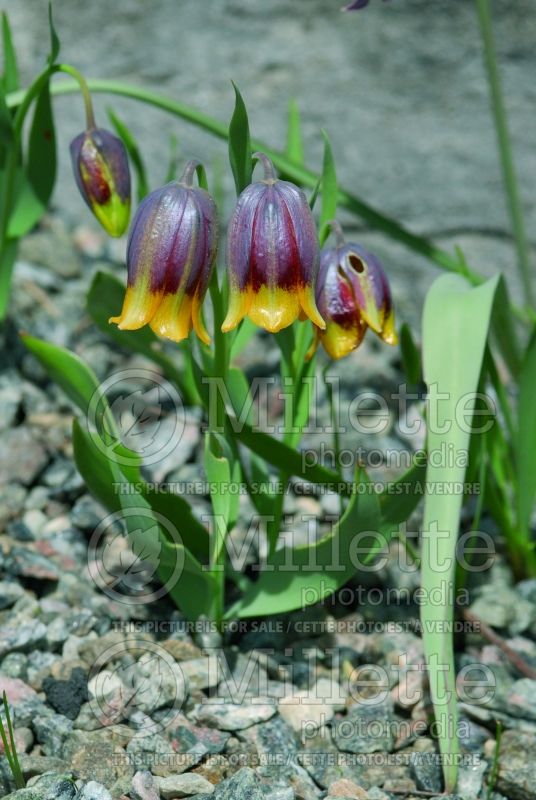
(170,255)
(352,295)
(272,255)
(102,175)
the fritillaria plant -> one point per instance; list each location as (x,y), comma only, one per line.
(281,274)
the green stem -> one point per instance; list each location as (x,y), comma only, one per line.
(220,348)
(505,148)
(82,83)
(334,418)
(221,365)
(291,169)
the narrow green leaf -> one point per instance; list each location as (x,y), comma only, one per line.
(193,588)
(41,168)
(315,194)
(296,577)
(285,341)
(330,190)
(133,151)
(294,134)
(54,40)
(77,380)
(411,358)
(10,77)
(28,208)
(525,443)
(452,366)
(401,497)
(245,333)
(504,330)
(7,261)
(6,128)
(240,144)
(238,388)
(218,471)
(286,458)
(302,401)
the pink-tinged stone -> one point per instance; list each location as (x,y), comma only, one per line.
(15,689)
(346,788)
(144,787)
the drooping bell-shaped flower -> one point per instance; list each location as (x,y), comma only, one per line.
(171,251)
(272,255)
(335,299)
(352,295)
(101,171)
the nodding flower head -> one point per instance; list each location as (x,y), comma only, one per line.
(101,171)
(171,251)
(352,295)
(272,255)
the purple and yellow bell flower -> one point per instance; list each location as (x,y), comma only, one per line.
(352,295)
(102,174)
(171,251)
(335,299)
(272,255)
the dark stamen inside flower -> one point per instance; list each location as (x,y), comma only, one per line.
(356,263)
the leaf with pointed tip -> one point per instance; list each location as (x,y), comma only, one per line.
(54,39)
(330,190)
(10,76)
(294,134)
(240,144)
(411,358)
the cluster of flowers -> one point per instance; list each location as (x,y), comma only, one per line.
(276,271)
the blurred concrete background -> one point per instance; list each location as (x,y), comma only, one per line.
(399,86)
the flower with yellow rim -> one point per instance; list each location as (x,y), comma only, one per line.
(170,256)
(272,255)
(352,295)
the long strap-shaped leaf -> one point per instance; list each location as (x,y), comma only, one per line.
(455,329)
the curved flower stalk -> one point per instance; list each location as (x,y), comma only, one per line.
(170,256)
(102,174)
(272,255)
(352,295)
